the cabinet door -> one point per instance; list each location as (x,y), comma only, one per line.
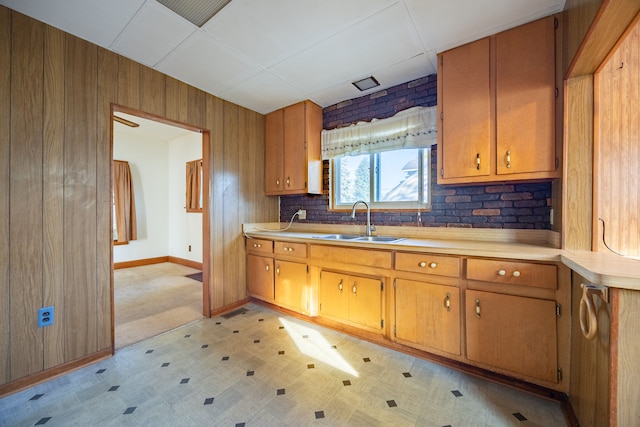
(260,277)
(291,285)
(466,111)
(525,98)
(274,152)
(365,301)
(428,315)
(295,148)
(333,295)
(517,334)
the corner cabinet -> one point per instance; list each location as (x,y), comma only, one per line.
(497,104)
(293,162)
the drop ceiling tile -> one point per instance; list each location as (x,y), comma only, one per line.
(97,21)
(152,33)
(353,53)
(446,24)
(328,96)
(265,92)
(272,31)
(207,64)
(404,71)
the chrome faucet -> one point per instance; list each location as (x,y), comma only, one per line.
(370,227)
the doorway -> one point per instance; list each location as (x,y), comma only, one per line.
(160,272)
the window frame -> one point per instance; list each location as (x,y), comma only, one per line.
(424,169)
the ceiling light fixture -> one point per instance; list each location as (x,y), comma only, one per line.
(125,122)
(366,84)
(198,12)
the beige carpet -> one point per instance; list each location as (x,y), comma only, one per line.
(153,299)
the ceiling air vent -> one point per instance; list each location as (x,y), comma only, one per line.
(198,12)
(366,84)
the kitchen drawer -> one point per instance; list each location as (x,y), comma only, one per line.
(290,249)
(427,263)
(259,246)
(513,273)
(368,257)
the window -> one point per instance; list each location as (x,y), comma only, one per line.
(194,186)
(397,179)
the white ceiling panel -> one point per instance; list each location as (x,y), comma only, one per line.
(271,31)
(354,52)
(152,34)
(264,91)
(469,20)
(97,21)
(212,66)
(266,54)
(148,129)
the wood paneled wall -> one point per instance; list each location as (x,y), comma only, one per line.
(617,148)
(55,188)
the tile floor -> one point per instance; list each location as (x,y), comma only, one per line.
(261,368)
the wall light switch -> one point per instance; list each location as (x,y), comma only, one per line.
(45,316)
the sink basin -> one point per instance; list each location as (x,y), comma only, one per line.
(357,238)
(338,237)
(383,239)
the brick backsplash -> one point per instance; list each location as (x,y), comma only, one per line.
(509,205)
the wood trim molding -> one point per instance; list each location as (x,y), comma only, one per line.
(49,374)
(221,310)
(187,263)
(139,262)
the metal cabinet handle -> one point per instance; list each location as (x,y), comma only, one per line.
(516,273)
(502,273)
(478,308)
(288,182)
(478,161)
(433,265)
(266,267)
(340,285)
(278,182)
(508,159)
(278,270)
(447,302)
(355,288)
(257,245)
(423,264)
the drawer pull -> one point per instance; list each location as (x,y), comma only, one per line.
(502,273)
(516,273)
(478,308)
(447,301)
(423,264)
(340,286)
(433,265)
(257,245)
(290,249)
(355,288)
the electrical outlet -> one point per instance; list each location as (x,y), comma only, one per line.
(302,214)
(45,316)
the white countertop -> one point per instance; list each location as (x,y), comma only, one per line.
(597,267)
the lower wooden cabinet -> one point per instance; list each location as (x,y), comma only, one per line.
(428,315)
(512,333)
(351,298)
(291,289)
(260,277)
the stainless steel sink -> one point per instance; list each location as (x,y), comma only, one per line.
(357,238)
(338,237)
(382,239)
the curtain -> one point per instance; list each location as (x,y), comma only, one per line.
(124,203)
(194,174)
(411,128)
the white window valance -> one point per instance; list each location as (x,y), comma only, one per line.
(411,128)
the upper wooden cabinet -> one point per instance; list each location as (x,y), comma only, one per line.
(293,163)
(497,104)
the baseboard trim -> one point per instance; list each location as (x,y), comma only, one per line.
(188,263)
(49,374)
(237,304)
(157,260)
(140,262)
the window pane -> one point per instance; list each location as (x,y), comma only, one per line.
(397,176)
(352,179)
